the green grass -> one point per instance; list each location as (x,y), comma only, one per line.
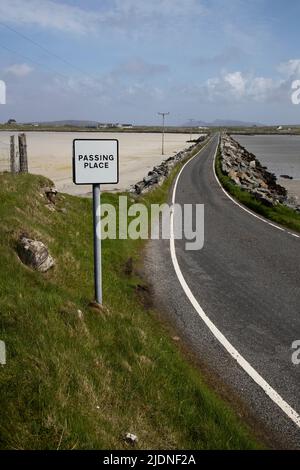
(280,214)
(81,383)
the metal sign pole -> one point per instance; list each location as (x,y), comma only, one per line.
(97,243)
(95,162)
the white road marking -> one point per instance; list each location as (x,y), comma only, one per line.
(247,210)
(246,366)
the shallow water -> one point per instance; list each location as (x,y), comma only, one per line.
(280,153)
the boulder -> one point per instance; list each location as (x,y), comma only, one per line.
(266,199)
(131,438)
(245,170)
(51,193)
(34,254)
(287,177)
(151,179)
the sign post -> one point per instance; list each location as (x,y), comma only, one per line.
(97,243)
(96,161)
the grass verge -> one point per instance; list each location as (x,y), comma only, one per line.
(82,381)
(280,214)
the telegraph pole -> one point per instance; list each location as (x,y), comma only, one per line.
(191,125)
(163,131)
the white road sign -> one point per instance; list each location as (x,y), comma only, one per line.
(95,161)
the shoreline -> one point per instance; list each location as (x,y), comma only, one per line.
(270,152)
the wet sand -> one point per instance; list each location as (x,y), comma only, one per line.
(50,154)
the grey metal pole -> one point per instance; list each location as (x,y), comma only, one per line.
(97,243)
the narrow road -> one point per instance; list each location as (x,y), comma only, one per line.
(246,281)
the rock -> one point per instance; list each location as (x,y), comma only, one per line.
(246,171)
(287,177)
(233,175)
(159,173)
(51,193)
(138,187)
(262,197)
(262,184)
(34,254)
(131,438)
(151,179)
(80,314)
(292,203)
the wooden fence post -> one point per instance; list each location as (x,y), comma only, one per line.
(23,153)
(12,154)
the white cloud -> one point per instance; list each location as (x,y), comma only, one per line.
(236,82)
(149,9)
(244,87)
(235,87)
(51,14)
(47,14)
(290,69)
(19,70)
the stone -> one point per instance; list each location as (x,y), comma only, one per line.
(264,198)
(51,193)
(246,171)
(131,438)
(159,173)
(233,175)
(34,254)
(151,179)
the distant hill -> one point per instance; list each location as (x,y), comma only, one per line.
(68,122)
(221,123)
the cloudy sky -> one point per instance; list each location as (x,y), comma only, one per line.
(124,60)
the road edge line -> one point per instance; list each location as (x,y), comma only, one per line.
(241,206)
(243,363)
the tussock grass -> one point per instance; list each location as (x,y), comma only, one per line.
(280,214)
(81,383)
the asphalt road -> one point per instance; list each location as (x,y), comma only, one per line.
(246,280)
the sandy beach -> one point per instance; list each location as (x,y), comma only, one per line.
(50,154)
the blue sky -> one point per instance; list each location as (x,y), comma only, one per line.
(124,60)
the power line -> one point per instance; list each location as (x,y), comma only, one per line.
(33,61)
(51,69)
(43,48)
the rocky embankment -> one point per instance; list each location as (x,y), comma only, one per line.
(245,170)
(160,172)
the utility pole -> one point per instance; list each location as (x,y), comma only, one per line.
(191,132)
(163,132)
